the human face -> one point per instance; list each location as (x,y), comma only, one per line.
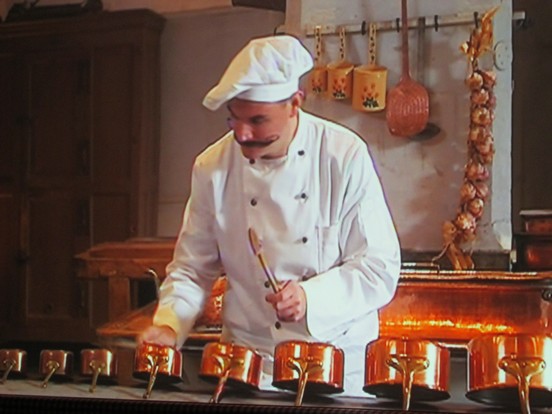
(263,130)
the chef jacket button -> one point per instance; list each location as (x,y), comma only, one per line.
(277,325)
(301,152)
(304,239)
(304,196)
(266,284)
(253,202)
(251,161)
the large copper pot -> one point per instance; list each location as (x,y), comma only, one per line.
(229,363)
(12,361)
(308,367)
(152,361)
(407,369)
(511,370)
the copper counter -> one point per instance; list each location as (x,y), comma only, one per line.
(443,305)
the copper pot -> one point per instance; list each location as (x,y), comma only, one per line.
(96,363)
(311,367)
(510,370)
(411,369)
(229,363)
(152,361)
(55,363)
(12,361)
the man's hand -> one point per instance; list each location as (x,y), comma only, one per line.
(159,335)
(290,302)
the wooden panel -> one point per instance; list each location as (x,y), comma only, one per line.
(113,150)
(9,120)
(111,217)
(8,256)
(52,290)
(58,91)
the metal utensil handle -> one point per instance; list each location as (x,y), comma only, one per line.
(342,33)
(318,36)
(372,36)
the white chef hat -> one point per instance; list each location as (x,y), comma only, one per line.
(267,69)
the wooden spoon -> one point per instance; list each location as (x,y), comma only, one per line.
(408,102)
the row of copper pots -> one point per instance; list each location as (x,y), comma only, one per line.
(504,370)
(58,364)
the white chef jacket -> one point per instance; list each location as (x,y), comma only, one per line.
(322,219)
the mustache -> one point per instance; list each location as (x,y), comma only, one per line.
(255,144)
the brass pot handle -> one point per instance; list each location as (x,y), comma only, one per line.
(97,368)
(8,364)
(53,367)
(154,362)
(303,368)
(224,365)
(522,369)
(407,366)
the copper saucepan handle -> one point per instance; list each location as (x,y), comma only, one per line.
(407,366)
(53,367)
(97,367)
(9,364)
(155,362)
(303,367)
(522,369)
(224,364)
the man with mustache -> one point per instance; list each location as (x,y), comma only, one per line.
(308,188)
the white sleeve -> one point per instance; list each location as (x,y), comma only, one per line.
(195,265)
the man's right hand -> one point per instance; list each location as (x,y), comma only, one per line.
(159,335)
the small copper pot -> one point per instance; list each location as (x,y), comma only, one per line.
(55,363)
(229,363)
(98,363)
(311,367)
(12,361)
(511,370)
(411,369)
(152,361)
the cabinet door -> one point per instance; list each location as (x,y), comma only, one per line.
(55,216)
(116,144)
(12,123)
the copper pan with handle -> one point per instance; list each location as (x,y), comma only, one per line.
(13,362)
(511,370)
(55,364)
(308,367)
(228,363)
(152,362)
(98,363)
(407,370)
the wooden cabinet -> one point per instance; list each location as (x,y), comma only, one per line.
(79,153)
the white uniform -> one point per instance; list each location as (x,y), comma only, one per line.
(321,215)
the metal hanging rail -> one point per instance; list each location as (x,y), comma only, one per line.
(431,22)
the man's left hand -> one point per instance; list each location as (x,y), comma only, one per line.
(290,302)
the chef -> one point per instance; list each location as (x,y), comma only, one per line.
(308,189)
